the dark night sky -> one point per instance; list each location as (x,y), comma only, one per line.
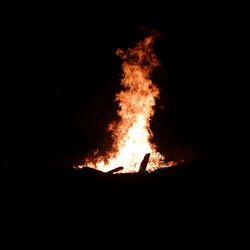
(63,74)
(60,75)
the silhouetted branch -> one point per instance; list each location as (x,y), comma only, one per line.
(115,170)
(144,163)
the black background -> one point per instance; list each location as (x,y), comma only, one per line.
(60,76)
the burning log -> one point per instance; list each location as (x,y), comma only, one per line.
(115,170)
(144,163)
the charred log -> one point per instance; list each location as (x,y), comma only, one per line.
(144,163)
(115,170)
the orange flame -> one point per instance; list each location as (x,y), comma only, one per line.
(132,134)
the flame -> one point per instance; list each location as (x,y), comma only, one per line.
(132,134)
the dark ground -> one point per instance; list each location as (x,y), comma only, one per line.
(61,77)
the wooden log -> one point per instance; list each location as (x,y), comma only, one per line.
(115,170)
(144,163)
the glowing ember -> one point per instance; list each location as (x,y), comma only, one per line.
(132,134)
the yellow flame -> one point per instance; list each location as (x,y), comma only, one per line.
(132,134)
